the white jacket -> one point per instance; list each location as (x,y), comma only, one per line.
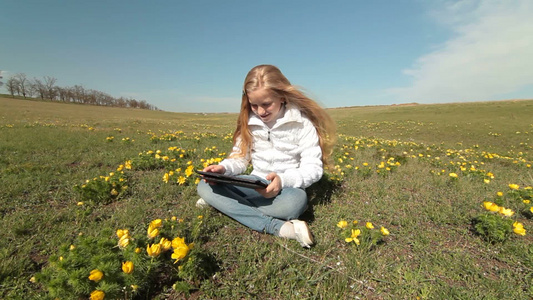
(290,148)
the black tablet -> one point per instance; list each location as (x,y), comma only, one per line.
(221,178)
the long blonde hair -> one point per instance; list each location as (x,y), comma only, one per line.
(270,77)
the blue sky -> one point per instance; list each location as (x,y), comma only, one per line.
(192,56)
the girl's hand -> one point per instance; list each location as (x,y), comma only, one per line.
(273,189)
(214,169)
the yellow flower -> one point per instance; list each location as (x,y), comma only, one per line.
(342,224)
(178,242)
(114,192)
(513,186)
(166,177)
(526,201)
(453,175)
(499,194)
(180,252)
(369,225)
(353,237)
(189,171)
(72,247)
(153,228)
(181,180)
(80,203)
(152,232)
(96,275)
(154,250)
(165,243)
(97,295)
(486,180)
(506,211)
(124,241)
(134,287)
(200,217)
(127,267)
(137,250)
(518,228)
(384,231)
(122,232)
(491,206)
(531,209)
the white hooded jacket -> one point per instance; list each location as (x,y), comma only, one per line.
(290,148)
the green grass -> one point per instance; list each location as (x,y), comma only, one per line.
(432,252)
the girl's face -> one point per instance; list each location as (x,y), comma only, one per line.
(265,105)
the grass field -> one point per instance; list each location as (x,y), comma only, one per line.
(423,172)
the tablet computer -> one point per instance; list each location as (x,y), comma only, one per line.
(221,178)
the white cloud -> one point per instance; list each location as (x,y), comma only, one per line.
(489,56)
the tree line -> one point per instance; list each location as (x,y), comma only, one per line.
(46,89)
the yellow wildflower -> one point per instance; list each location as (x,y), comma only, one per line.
(506,211)
(499,194)
(513,186)
(353,237)
(342,224)
(491,206)
(518,228)
(121,232)
(154,250)
(453,175)
(369,225)
(180,252)
(165,243)
(97,295)
(153,228)
(124,241)
(384,231)
(96,275)
(177,242)
(127,267)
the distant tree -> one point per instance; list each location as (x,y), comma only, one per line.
(12,86)
(39,88)
(50,87)
(23,83)
(63,94)
(1,82)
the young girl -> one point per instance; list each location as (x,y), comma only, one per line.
(288,139)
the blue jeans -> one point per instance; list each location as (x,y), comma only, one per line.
(251,209)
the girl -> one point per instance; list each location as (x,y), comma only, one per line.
(288,139)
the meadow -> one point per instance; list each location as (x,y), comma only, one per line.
(438,197)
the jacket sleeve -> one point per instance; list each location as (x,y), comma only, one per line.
(235,165)
(310,169)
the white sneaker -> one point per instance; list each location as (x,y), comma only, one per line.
(303,234)
(202,204)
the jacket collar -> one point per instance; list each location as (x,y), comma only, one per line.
(292,114)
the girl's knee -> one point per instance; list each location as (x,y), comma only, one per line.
(203,188)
